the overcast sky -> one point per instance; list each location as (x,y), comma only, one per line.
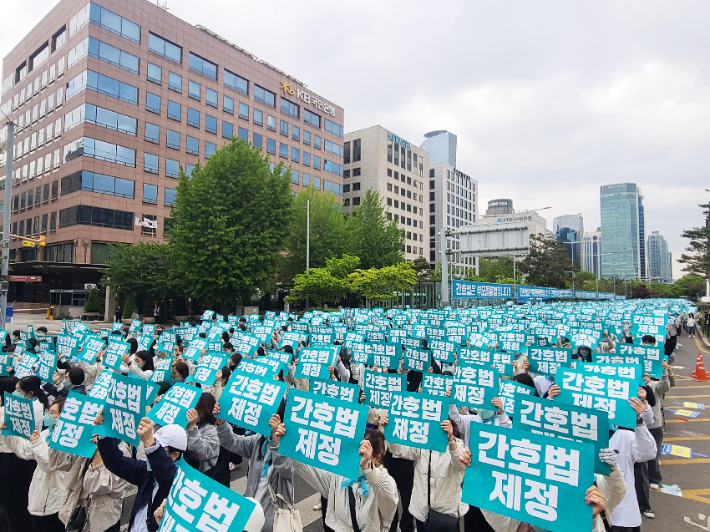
(549,99)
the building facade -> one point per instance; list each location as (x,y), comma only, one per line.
(377,159)
(591,253)
(441,146)
(500,207)
(453,203)
(111,100)
(659,259)
(569,230)
(623,230)
(537,225)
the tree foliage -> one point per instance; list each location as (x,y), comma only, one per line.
(332,233)
(422,267)
(325,285)
(379,241)
(493,270)
(231,220)
(547,263)
(93,303)
(142,270)
(698,261)
(381,284)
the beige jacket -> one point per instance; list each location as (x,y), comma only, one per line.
(447,474)
(105,493)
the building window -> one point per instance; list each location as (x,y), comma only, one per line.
(210,149)
(174,110)
(316,142)
(243,134)
(236,82)
(295,154)
(193,90)
(307,137)
(356,186)
(357,150)
(356,172)
(256,140)
(203,66)
(227,104)
(271,122)
(172,168)
(271,146)
(174,81)
(193,117)
(150,193)
(335,129)
(152,133)
(306,180)
(264,96)
(211,124)
(283,150)
(97,149)
(346,188)
(289,108)
(335,149)
(311,118)
(258,117)
(98,183)
(152,103)
(192,145)
(346,155)
(173,139)
(55,189)
(316,162)
(295,133)
(284,128)
(170,197)
(243,111)
(227,130)
(295,178)
(211,97)
(99,83)
(356,201)
(346,203)
(155,73)
(150,163)
(165,48)
(110,21)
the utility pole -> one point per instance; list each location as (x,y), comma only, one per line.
(308,235)
(444,233)
(7,212)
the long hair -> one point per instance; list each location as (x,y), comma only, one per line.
(33,384)
(205,406)
(147,360)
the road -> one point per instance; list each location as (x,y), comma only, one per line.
(690,475)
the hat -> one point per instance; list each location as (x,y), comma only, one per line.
(256,519)
(172,436)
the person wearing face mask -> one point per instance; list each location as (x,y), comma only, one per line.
(202,436)
(491,417)
(72,380)
(180,371)
(141,366)
(48,489)
(155,475)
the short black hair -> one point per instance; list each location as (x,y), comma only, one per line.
(76,375)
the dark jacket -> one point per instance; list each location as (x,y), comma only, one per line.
(51,389)
(163,471)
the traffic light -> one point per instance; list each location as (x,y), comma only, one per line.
(28,243)
(42,243)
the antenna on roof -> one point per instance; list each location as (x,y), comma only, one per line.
(162,5)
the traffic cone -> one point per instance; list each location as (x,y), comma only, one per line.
(700,374)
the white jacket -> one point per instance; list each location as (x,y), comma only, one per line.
(105,493)
(463,421)
(49,486)
(374,512)
(446,480)
(630,447)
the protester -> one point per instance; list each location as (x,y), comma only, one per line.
(202,436)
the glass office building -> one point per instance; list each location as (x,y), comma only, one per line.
(441,146)
(569,230)
(659,260)
(622,231)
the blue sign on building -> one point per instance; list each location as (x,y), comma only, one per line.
(470,289)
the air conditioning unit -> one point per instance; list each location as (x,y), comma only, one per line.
(89,286)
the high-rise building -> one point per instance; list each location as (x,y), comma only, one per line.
(453,203)
(441,146)
(623,231)
(592,243)
(659,259)
(111,99)
(569,230)
(377,159)
(500,207)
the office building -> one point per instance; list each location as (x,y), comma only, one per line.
(569,231)
(441,146)
(659,259)
(623,231)
(500,207)
(591,253)
(453,201)
(537,225)
(377,159)
(111,99)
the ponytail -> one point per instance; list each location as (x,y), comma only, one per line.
(33,385)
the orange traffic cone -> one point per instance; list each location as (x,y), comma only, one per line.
(700,374)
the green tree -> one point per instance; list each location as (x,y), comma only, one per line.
(380,284)
(698,261)
(142,269)
(231,220)
(325,285)
(380,242)
(332,233)
(130,307)
(691,286)
(492,270)
(422,267)
(547,263)
(93,304)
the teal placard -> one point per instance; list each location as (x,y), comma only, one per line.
(379,387)
(313,362)
(114,352)
(248,344)
(336,390)
(322,338)
(162,371)
(282,356)
(417,359)
(25,365)
(437,384)
(68,346)
(144,342)
(415,420)
(324,433)
(564,420)
(443,350)
(125,405)
(99,390)
(546,360)
(91,347)
(196,502)
(260,367)
(74,429)
(503,362)
(475,355)
(508,391)
(475,385)
(249,401)
(135,326)
(649,356)
(173,406)
(206,371)
(166,346)
(601,392)
(535,479)
(5,364)
(47,365)
(19,416)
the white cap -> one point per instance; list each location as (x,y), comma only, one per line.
(256,519)
(172,436)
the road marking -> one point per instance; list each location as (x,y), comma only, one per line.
(695,495)
(687,438)
(683,420)
(689,461)
(686,396)
(700,385)
(697,343)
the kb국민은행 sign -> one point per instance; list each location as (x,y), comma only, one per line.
(533,478)
(323,432)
